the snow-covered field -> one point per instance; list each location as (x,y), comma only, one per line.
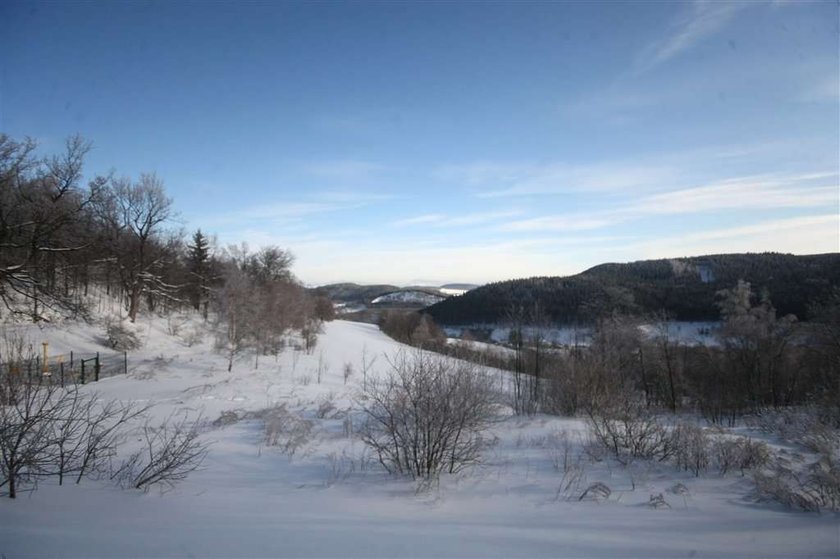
(331,499)
(679,331)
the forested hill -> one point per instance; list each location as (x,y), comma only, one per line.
(353,292)
(684,288)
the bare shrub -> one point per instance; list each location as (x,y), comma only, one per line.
(193,336)
(803,426)
(560,449)
(326,406)
(657,501)
(427,416)
(341,466)
(174,324)
(629,431)
(740,453)
(285,430)
(814,488)
(169,453)
(691,448)
(598,491)
(51,431)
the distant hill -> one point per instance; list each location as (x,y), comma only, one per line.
(459,286)
(684,288)
(353,293)
(422,297)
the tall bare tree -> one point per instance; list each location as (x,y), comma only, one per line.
(132,216)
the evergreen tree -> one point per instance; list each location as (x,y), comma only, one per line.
(198,265)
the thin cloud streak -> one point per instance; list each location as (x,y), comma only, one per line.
(705,19)
(441,220)
(500,180)
(800,235)
(748,193)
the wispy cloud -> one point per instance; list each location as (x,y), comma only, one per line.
(827,90)
(703,19)
(755,193)
(560,223)
(496,180)
(464,220)
(277,211)
(419,220)
(767,192)
(800,235)
(480,218)
(344,169)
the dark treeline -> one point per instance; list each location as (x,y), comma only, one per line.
(61,238)
(683,288)
(761,360)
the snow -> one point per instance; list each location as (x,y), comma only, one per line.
(685,332)
(409,296)
(331,499)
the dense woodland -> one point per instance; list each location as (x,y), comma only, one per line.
(684,289)
(63,240)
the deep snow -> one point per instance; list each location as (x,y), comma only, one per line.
(331,500)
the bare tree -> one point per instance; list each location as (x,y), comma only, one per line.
(42,223)
(131,217)
(428,415)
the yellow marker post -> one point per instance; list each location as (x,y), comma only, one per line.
(45,369)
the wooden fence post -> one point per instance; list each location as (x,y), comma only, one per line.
(96,367)
(125,362)
(61,371)
(83,370)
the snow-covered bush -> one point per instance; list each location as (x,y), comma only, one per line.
(427,416)
(121,337)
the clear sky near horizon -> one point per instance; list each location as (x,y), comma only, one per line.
(471,141)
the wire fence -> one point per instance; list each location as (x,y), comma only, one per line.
(68,368)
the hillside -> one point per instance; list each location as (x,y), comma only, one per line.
(353,293)
(684,288)
(329,497)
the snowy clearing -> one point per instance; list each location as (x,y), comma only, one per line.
(330,498)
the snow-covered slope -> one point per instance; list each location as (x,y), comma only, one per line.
(409,296)
(332,500)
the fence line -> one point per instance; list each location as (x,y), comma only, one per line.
(68,368)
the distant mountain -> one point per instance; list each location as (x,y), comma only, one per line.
(684,288)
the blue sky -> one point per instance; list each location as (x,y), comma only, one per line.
(396,142)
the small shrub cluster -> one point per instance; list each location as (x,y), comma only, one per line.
(815,489)
(48,431)
(638,434)
(628,431)
(285,430)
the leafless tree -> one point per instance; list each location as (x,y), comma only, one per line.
(428,415)
(42,223)
(131,218)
